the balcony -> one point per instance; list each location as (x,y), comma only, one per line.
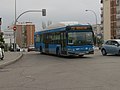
(101,22)
(101,8)
(101,15)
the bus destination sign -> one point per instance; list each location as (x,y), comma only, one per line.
(80,28)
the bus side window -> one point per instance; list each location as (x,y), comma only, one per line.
(37,38)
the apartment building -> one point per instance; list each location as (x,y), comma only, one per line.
(109,18)
(25,34)
(8,36)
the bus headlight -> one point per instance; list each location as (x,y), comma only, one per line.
(86,48)
(70,49)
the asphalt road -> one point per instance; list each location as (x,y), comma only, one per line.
(45,72)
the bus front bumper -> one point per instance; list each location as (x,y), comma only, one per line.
(80,53)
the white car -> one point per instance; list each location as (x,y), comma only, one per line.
(31,48)
(1,54)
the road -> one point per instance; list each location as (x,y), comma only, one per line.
(45,72)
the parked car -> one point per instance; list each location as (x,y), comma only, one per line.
(111,47)
(31,48)
(1,53)
(17,48)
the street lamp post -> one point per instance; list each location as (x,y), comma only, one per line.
(14,32)
(43,13)
(95,21)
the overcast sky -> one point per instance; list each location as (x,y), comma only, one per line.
(57,11)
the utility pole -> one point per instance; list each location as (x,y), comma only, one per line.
(14,28)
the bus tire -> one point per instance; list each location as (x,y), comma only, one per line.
(57,52)
(81,55)
(41,50)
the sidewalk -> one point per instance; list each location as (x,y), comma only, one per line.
(9,58)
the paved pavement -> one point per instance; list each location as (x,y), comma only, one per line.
(9,58)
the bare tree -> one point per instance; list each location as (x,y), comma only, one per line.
(49,23)
(43,25)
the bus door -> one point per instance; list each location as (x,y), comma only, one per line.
(63,43)
(46,43)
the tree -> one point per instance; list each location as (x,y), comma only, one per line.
(43,25)
(49,23)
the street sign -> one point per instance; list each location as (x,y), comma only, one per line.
(14,28)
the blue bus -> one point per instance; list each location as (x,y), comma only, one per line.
(65,40)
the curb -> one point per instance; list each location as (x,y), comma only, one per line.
(10,62)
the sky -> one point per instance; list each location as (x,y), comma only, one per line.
(57,11)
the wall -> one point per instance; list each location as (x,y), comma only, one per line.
(107,20)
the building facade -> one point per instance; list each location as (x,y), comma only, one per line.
(109,18)
(118,18)
(8,37)
(25,34)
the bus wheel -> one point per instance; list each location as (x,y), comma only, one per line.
(41,50)
(81,55)
(57,52)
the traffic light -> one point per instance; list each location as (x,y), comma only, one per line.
(43,12)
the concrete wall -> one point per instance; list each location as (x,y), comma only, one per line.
(118,19)
(107,21)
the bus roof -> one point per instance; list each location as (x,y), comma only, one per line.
(60,25)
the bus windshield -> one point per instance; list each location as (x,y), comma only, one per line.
(80,38)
